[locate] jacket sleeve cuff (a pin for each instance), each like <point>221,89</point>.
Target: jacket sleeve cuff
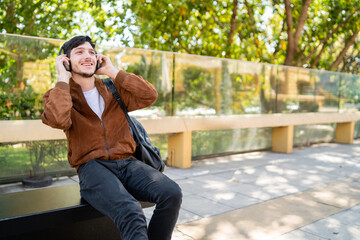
<point>120,77</point>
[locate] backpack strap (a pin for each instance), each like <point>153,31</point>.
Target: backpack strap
<point>111,86</point>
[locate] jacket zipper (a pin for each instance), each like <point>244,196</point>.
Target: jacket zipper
<point>107,147</point>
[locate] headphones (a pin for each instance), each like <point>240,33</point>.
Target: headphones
<point>68,66</point>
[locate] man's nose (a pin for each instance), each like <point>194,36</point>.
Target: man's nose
<point>87,55</point>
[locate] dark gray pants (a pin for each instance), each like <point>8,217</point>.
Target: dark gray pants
<point>113,188</point>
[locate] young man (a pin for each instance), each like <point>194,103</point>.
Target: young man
<point>100,144</point>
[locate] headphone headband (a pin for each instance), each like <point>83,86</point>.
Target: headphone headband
<point>61,49</point>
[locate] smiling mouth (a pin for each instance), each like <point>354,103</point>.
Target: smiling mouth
<point>87,64</point>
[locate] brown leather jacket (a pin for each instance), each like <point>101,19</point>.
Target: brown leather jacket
<point>88,136</point>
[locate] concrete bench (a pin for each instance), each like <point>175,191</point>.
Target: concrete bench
<point>53,213</point>
<point>179,144</point>
<point>179,130</point>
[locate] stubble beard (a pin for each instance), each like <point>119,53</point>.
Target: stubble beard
<point>85,75</point>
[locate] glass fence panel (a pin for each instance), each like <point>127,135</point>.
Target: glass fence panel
<point>203,85</point>
<point>226,141</point>
<point>286,91</point>
<point>209,86</point>
<point>327,89</point>
<point>156,67</point>
<point>296,90</point>
<point>27,71</point>
<point>34,158</point>
<point>160,141</point>
<point>245,87</point>
<point>306,90</point>
<point>350,92</point>
<point>357,129</point>
<point>268,97</point>
<point>197,85</point>
<point>304,135</point>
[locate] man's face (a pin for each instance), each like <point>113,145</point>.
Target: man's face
<point>83,60</point>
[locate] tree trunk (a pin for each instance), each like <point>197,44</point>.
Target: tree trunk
<point>293,38</point>
<point>232,29</point>
<point>302,20</point>
<point>290,52</point>
<point>10,19</point>
<point>348,44</point>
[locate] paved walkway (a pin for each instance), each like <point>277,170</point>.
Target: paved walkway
<point>313,193</point>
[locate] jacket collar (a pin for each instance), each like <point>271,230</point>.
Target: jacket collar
<point>78,98</point>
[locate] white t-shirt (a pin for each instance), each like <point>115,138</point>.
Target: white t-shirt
<point>95,101</point>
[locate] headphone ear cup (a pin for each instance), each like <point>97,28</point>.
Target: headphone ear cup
<point>97,65</point>
<point>67,66</point>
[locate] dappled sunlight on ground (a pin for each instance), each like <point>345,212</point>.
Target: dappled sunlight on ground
<point>261,194</point>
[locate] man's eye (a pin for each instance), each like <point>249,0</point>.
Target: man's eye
<point>92,53</point>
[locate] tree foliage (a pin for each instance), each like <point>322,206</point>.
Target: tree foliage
<point>51,19</point>
<point>307,33</point>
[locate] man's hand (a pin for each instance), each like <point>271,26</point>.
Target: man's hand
<point>106,67</point>
<point>64,75</point>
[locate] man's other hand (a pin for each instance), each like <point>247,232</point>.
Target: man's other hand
<point>106,67</point>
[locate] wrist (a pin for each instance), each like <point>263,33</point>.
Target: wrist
<point>63,79</point>
<point>112,73</point>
